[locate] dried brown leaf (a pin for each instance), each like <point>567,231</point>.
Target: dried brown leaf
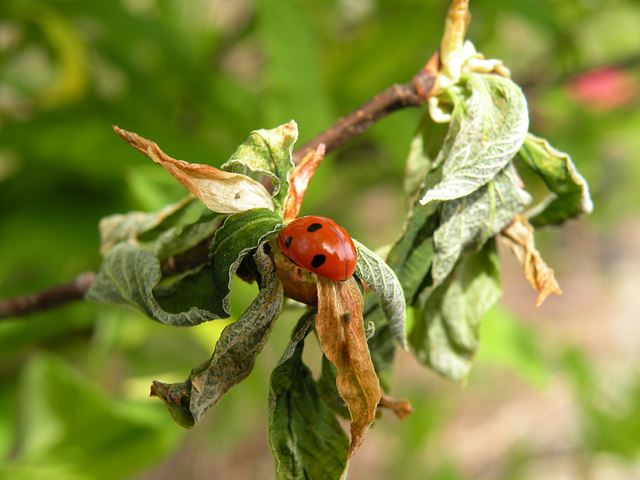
<point>222,192</point>
<point>301,175</point>
<point>401,407</point>
<point>519,237</point>
<point>340,329</point>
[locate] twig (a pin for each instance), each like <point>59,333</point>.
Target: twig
<point>47,299</point>
<point>411,94</point>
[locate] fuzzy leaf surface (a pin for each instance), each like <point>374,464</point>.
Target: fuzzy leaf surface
<point>166,232</point>
<point>240,343</point>
<point>569,190</point>
<point>486,131</point>
<point>267,152</point>
<point>128,276</point>
<point>234,355</point>
<point>305,436</point>
<point>445,333</point>
<point>469,221</point>
<point>238,236</point>
<point>378,276</point>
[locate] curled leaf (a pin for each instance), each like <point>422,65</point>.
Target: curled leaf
<point>519,237</point>
<point>300,178</point>
<point>487,129</point>
<point>303,430</point>
<point>298,283</point>
<point>569,190</point>
<point>469,221</point>
<point>233,357</point>
<point>378,276</point>
<point>400,407</point>
<point>452,43</point>
<point>129,275</point>
<point>341,334</point>
<point>222,192</point>
<point>267,152</point>
<point>445,334</point>
<point>240,234</point>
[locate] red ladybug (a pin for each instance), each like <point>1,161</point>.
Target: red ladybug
<point>321,246</point>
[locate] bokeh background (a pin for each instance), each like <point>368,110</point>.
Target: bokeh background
<point>555,390</point>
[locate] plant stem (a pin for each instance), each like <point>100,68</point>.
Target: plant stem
<point>411,94</point>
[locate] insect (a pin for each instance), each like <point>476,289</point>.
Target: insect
<point>321,246</point>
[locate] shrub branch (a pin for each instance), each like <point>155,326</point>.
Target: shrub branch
<point>411,94</point>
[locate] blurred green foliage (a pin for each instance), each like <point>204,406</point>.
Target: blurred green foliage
<point>197,77</point>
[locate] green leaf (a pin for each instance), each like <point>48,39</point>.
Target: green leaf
<point>240,234</point>
<point>469,221</point>
<point>234,354</point>
<point>128,276</point>
<point>306,439</point>
<point>240,343</point>
<point>378,276</point>
<point>166,232</point>
<point>445,332</point>
<point>192,288</point>
<point>486,131</point>
<point>267,152</point>
<point>570,193</point>
<point>412,254</point>
<point>423,151</point>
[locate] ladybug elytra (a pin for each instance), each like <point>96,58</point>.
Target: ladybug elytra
<point>321,246</point>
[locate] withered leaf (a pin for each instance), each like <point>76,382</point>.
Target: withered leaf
<point>399,406</point>
<point>222,192</point>
<point>341,334</point>
<point>519,237</point>
<point>301,175</point>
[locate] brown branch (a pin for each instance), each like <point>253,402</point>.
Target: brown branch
<point>411,94</point>
<point>47,299</point>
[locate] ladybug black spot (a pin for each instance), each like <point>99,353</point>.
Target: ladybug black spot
<point>318,260</point>
<point>287,242</point>
<point>313,227</point>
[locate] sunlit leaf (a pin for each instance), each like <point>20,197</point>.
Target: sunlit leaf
<point>267,152</point>
<point>471,220</point>
<point>378,276</point>
<point>570,193</point>
<point>445,332</point>
<point>340,329</point>
<point>519,237</point>
<point>221,191</point>
<point>166,232</point>
<point>487,129</point>
<point>305,437</point>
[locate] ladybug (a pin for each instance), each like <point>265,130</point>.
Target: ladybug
<point>321,246</point>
